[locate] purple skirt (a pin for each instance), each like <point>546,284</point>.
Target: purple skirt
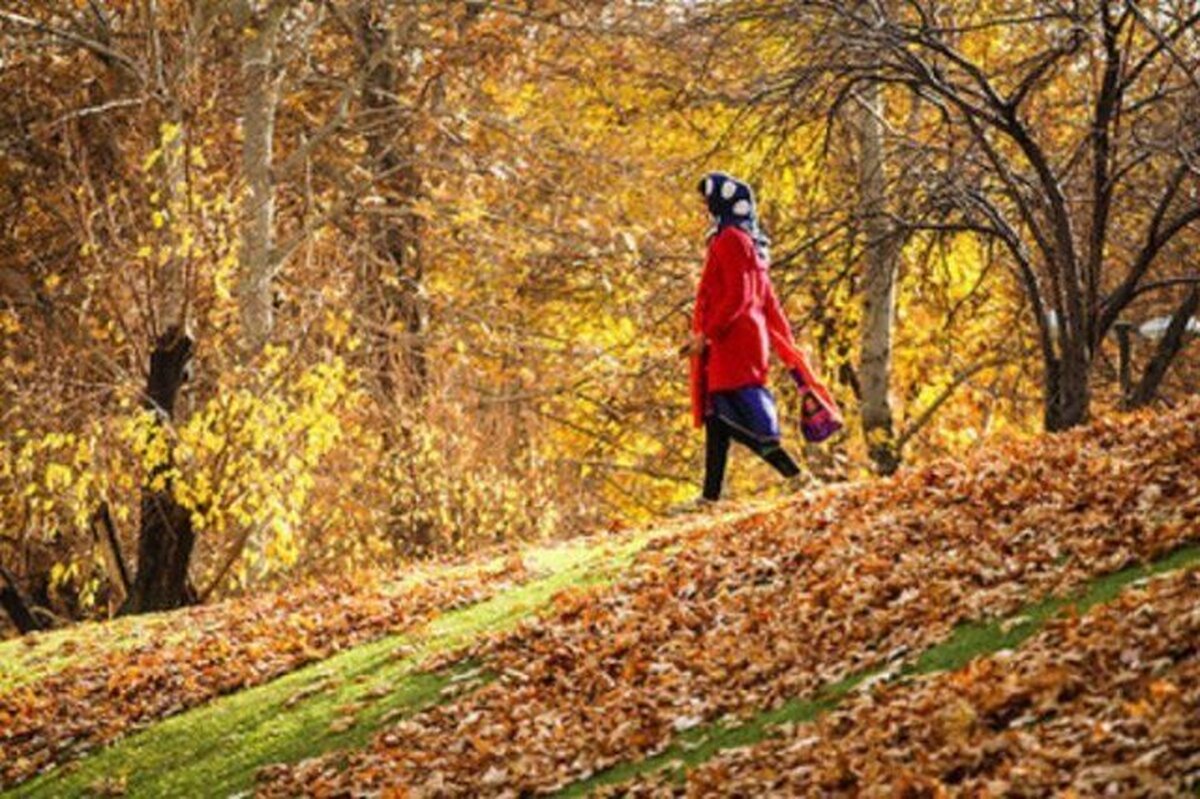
<point>750,410</point>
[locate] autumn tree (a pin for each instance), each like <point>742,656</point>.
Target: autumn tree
<point>1059,133</point>
<point>118,80</point>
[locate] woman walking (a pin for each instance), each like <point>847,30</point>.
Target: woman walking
<point>737,321</point>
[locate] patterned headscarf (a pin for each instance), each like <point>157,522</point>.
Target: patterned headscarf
<point>731,202</point>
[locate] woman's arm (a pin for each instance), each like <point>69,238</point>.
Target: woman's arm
<point>780,330</point>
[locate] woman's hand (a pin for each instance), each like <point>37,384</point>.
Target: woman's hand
<point>694,347</point>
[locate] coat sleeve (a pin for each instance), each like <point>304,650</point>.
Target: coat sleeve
<point>725,292</point>
<point>779,330</point>
<point>784,344</point>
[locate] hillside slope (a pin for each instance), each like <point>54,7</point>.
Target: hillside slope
<point>643,661</point>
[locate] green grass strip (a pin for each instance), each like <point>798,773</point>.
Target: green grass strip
<point>215,749</point>
<point>966,642</point>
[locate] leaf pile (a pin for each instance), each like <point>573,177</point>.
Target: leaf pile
<point>743,617</point>
<point>1103,705</point>
<point>209,651</point>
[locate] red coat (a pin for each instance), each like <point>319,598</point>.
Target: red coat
<point>739,315</point>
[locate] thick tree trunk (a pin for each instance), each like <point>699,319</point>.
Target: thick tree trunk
<point>258,226</point>
<point>166,538</point>
<point>1164,354</point>
<point>164,553</point>
<point>879,300</point>
<point>1067,395</point>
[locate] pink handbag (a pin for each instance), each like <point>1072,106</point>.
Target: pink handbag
<point>819,414</point>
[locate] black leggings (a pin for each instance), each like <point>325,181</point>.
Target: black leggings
<point>717,435</point>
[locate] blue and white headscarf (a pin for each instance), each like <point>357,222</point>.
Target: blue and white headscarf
<point>731,202</point>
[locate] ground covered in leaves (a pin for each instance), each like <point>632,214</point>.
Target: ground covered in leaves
<point>1107,704</point>
<point>735,620</point>
<point>88,690</point>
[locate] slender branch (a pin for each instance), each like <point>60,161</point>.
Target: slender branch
<point>913,427</point>
<point>1183,27</point>
<point>607,466</point>
<point>1014,191</point>
<point>1039,70</point>
<point>93,110</point>
<point>231,558</point>
<point>1164,284</point>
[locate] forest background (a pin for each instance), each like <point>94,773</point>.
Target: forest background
<point>292,287</point>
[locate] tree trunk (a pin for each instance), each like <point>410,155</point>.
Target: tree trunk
<point>104,534</point>
<point>1124,331</point>
<point>1067,395</point>
<point>173,278</point>
<point>258,217</point>
<point>1164,354</point>
<point>166,538</point>
<point>879,298</point>
<point>392,279</point>
<point>13,600</point>
<point>172,288</point>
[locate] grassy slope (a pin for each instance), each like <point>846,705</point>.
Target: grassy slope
<point>214,750</point>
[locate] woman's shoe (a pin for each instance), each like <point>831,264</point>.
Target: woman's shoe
<point>802,481</point>
<point>700,504</point>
